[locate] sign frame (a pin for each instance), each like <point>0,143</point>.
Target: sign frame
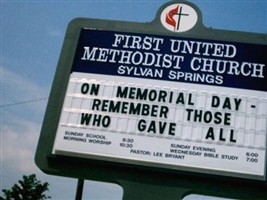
<point>124,173</point>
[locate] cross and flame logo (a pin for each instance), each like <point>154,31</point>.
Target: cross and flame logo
<point>175,12</point>
<point>178,17</point>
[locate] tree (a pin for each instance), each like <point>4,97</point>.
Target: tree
<point>27,189</point>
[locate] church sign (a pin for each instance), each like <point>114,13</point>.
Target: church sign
<point>170,94</point>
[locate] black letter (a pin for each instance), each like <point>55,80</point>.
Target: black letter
<point>122,93</point>
<point>142,125</point>
<point>86,118</point>
<point>210,134</point>
<point>215,102</point>
<point>85,88</point>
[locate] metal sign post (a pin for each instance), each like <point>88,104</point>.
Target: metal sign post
<point>79,190</point>
<point>167,107</point>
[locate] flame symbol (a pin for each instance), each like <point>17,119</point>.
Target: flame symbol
<point>170,17</point>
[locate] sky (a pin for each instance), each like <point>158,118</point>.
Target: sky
<point>32,33</point>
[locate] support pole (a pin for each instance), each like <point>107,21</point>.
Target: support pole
<point>79,190</point>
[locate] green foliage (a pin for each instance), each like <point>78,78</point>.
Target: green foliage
<point>27,189</point>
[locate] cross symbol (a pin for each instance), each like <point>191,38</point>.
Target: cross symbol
<point>180,14</point>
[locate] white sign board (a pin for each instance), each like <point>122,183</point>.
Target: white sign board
<point>167,102</point>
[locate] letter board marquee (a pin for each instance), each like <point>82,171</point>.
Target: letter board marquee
<point>162,95</point>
